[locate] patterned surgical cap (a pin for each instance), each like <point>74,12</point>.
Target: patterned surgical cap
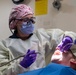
<point>17,13</point>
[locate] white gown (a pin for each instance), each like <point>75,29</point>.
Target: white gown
<point>41,41</point>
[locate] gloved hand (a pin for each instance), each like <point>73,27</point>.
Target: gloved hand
<point>65,44</point>
<point>29,58</point>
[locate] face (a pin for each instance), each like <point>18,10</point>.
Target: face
<point>26,19</point>
<point>62,57</point>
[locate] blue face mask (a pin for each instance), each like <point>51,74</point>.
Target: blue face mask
<point>27,28</point>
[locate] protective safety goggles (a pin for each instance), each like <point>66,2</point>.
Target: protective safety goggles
<point>32,19</point>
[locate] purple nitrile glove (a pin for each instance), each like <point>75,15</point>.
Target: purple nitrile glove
<point>29,58</point>
<point>65,44</point>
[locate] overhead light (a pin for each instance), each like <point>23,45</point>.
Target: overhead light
<point>17,1</point>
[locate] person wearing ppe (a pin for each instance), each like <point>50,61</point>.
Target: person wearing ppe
<point>63,60</point>
<point>25,49</point>
<point>65,52</point>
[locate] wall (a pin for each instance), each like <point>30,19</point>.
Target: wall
<point>63,19</point>
<point>5,7</point>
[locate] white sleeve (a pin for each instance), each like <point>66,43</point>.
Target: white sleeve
<point>71,34</point>
<point>48,39</point>
<point>12,68</point>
